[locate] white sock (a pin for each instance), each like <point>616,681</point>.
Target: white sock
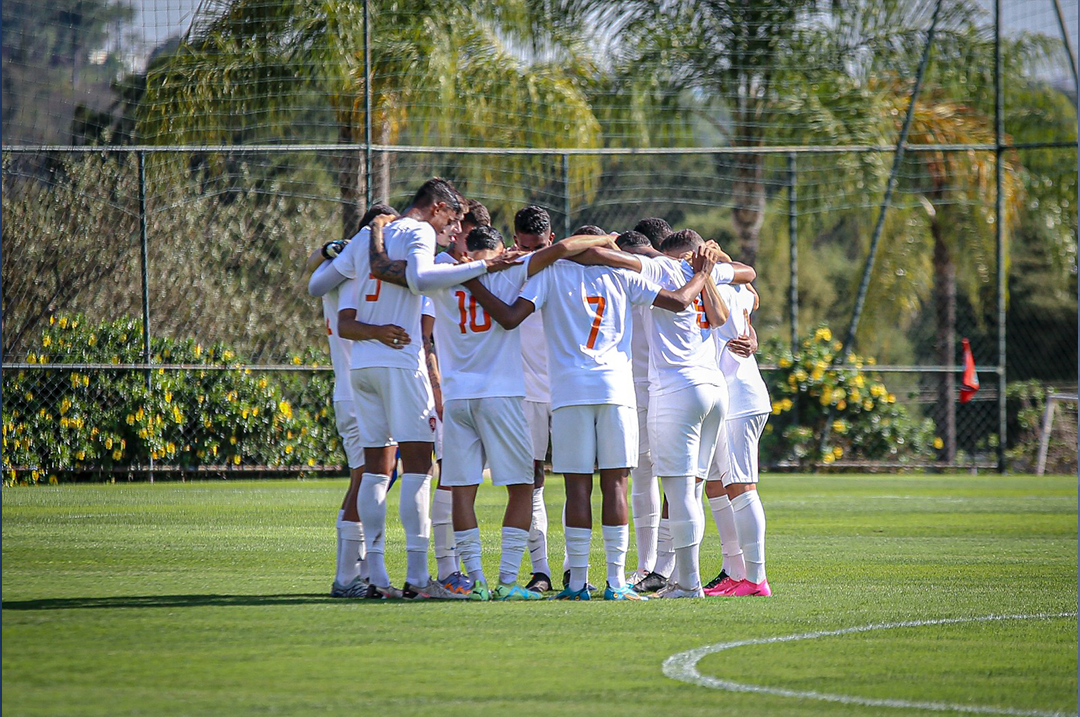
<point>350,543</point>
<point>514,542</point>
<point>687,525</point>
<point>371,505</point>
<point>665,556</point>
<point>616,541</point>
<point>565,553</point>
<point>724,517</point>
<point>645,502</point>
<point>577,551</point>
<point>413,510</point>
<point>442,529</point>
<point>750,522</point>
<point>538,549</point>
<point>468,547</point>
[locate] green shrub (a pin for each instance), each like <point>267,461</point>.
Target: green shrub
<point>1026,401</point>
<point>80,420</point>
<point>867,422</point>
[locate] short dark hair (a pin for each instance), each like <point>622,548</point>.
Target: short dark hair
<point>482,238</point>
<point>655,229</point>
<point>632,238</point>
<point>376,210</point>
<point>435,190</point>
<point>532,220</point>
<point>477,214</point>
<point>686,240</point>
<point>589,230</point>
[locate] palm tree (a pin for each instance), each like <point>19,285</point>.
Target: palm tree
<point>444,73</point>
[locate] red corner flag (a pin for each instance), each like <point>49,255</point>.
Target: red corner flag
<point>970,383</point>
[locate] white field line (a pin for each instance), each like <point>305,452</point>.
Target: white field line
<point>683,667</point>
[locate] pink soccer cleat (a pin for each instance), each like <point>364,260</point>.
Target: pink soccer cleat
<point>723,588</point>
<point>746,588</point>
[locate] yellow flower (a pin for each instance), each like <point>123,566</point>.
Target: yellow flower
<point>168,397</point>
<point>800,375</point>
<point>871,360</point>
<point>117,455</point>
<point>890,398</point>
<point>776,408</point>
<point>63,423</point>
<point>139,414</point>
<point>288,449</point>
<point>255,411</point>
<point>823,334</point>
<point>839,427</point>
<point>63,322</point>
<point>65,406</point>
<point>296,360</point>
<point>836,346</point>
<point>206,422</point>
<point>786,404</point>
<point>29,396</point>
<point>244,413</point>
<point>262,383</point>
<point>92,340</point>
<point>938,443</point>
<point>236,459</point>
<point>841,405</point>
<point>859,381</point>
<point>288,434</point>
<point>311,461</point>
<point>877,390</point>
<point>826,397</point>
<point>177,415</point>
<point>285,408</point>
<point>46,342</point>
<point>142,433</point>
<point>227,355</point>
<point>108,443</point>
<point>52,320</point>
<point>784,362</point>
<point>855,396</point>
<point>198,350</point>
<point>828,458</point>
<point>170,448</point>
<point>52,480</point>
<point>232,440</point>
<point>81,455</point>
<point>838,451</point>
<point>213,450</point>
<point>31,358</point>
<point>867,404</point>
<point>130,420</point>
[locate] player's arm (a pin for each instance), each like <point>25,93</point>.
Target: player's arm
<point>349,328</point>
<point>427,327</point>
<point>603,256</point>
<point>702,264</point>
<point>716,309</point>
<point>566,249</point>
<point>744,273</point>
<point>745,345</point>
<point>382,266</point>
<point>508,316</point>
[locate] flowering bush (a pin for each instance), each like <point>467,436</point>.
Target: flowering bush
<point>866,421</point>
<point>88,420</point>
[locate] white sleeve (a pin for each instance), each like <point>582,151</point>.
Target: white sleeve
<point>651,269</point>
<point>423,274</point>
<point>639,289</point>
<point>723,273</point>
<point>325,278</point>
<point>535,289</point>
<point>347,295</point>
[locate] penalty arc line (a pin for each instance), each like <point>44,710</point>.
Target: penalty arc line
<point>683,667</point>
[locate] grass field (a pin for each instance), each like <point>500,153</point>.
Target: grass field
<point>210,598</point>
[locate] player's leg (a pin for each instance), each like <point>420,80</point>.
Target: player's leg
<point>733,567</point>
<point>463,466</point>
<point>442,528</point>
<point>645,501</point>
<point>616,453</point>
<point>350,579</point>
<point>573,441</point>
<point>746,503</point>
<point>538,418</point>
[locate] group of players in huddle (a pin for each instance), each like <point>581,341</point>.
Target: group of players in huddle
<point>633,352</point>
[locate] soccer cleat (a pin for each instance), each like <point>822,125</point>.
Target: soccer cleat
<point>747,588</point>
<point>678,591</point>
<point>480,592</point>
<point>568,594</point>
<point>357,588</point>
<point>650,583</point>
<point>624,593</point>
<point>540,583</point>
<point>458,583</point>
<point>434,590</point>
<point>374,592</point>
<point>723,588</point>
<point>715,581</point>
<point>566,582</point>
<point>668,587</point>
<point>514,592</point>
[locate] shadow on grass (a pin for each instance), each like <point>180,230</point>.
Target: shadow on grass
<point>141,601</point>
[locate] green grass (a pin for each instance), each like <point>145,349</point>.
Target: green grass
<point>209,598</point>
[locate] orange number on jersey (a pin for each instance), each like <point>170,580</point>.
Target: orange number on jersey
<point>598,303</point>
<point>378,288</point>
<point>329,331</point>
<point>470,318</point>
<point>702,318</point>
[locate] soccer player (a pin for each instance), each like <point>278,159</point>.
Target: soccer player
<point>655,229</point>
<point>733,476</point>
<point>390,386</point>
<point>483,416</point>
<point>350,577</point>
<point>593,422</point>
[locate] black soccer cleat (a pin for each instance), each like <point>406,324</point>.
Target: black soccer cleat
<point>539,583</point>
<point>651,583</point>
<point>566,582</point>
<point>716,581</point>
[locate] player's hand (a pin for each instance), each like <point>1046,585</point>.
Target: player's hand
<point>721,255</point>
<point>393,336</point>
<point>703,261</point>
<point>504,261</point>
<point>332,248</point>
<point>745,346</point>
<point>382,220</point>
<point>757,297</point>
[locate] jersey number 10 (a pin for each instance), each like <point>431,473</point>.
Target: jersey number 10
<point>469,317</point>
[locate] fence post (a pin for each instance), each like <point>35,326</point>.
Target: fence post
<point>999,234</point>
<point>566,195</point>
<point>145,283</point>
<point>368,190</point>
<point>793,255</point>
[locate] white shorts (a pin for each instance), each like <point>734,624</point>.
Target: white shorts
<point>641,390</point>
<point>538,416</point>
<point>396,404</point>
<point>684,427</point>
<point>485,429</point>
<point>592,436</point>
<point>349,430</point>
<point>736,459</point>
<point>438,437</point>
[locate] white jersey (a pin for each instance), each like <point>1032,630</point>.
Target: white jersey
<point>639,344</point>
<point>682,350</point>
<point>588,330</point>
<point>534,358</point>
<point>747,393</point>
<point>478,358</point>
<point>445,257</point>
<point>378,302</point>
<point>340,349</point>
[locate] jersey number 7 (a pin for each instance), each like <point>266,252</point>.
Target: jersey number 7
<point>598,303</point>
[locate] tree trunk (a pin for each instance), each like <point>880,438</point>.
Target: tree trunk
<point>380,167</point>
<point>945,309</point>
<point>351,182</point>
<point>748,197</point>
